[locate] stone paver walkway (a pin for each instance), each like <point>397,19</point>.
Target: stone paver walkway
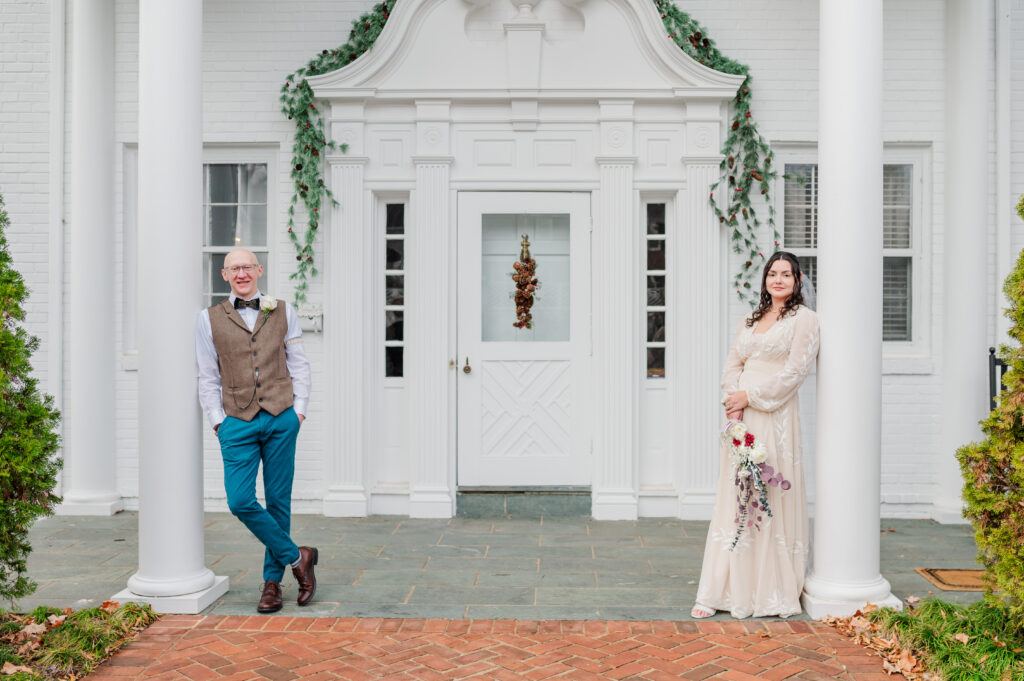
<point>458,568</point>
<point>213,648</point>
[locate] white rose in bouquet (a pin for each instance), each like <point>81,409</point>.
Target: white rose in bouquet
<point>758,453</point>
<point>735,458</point>
<point>737,430</point>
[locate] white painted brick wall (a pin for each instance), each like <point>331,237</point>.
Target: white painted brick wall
<point>24,154</point>
<point>1017,121</point>
<point>778,39</point>
<point>249,46</point>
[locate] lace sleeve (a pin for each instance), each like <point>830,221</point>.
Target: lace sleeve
<point>776,391</point>
<point>733,363</point>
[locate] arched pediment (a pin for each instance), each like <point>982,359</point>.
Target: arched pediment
<point>557,48</point>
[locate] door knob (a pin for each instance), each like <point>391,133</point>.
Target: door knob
<point>467,369</point>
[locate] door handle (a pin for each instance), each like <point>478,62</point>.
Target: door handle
<point>467,369</point>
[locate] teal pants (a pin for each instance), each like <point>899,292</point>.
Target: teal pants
<point>244,445</point>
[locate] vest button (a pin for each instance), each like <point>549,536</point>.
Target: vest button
<point>257,385</point>
<point>253,339</point>
<point>261,399</point>
<point>253,354</point>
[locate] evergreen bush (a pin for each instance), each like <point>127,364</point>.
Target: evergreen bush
<point>28,441</point>
<point>993,469</point>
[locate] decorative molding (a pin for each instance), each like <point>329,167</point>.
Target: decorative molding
<point>427,375</point>
<point>616,160</point>
<point>348,365</point>
<point>338,160</point>
<point>697,260</point>
<point>711,160</point>
<point>616,346</point>
<point>433,160</point>
<point>640,18</point>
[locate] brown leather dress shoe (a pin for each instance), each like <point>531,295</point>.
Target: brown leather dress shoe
<point>304,573</point>
<point>270,601</point>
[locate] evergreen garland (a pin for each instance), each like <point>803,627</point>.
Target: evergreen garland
<point>746,166</point>
<point>311,141</point>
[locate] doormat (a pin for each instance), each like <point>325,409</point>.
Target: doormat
<point>953,580</point>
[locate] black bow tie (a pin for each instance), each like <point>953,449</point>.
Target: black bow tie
<point>254,303</point>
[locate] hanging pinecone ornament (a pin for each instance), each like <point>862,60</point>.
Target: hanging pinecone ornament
<point>526,283</point>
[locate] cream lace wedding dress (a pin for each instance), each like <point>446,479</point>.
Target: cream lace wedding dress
<point>764,574</point>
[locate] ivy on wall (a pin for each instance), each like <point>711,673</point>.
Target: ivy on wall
<point>746,168</point>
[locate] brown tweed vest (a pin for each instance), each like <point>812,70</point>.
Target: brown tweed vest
<point>253,372</point>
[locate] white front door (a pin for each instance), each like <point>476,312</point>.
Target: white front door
<point>523,393</point>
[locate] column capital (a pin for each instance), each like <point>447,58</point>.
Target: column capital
<point>433,160</point>
<point>337,160</point>
<point>710,161</point>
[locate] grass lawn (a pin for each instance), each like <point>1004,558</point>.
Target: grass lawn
<point>933,639</point>
<point>48,643</point>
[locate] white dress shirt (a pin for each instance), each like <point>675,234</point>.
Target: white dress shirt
<point>210,396</point>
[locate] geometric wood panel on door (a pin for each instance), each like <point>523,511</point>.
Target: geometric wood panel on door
<point>525,407</point>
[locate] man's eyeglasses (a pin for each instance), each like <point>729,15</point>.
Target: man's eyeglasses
<point>235,269</point>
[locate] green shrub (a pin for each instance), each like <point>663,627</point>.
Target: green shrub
<point>993,469</point>
<point>960,643</point>
<point>28,443</point>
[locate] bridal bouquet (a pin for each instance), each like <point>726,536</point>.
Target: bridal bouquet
<point>753,476</point>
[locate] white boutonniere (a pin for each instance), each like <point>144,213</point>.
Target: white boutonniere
<point>267,305</point>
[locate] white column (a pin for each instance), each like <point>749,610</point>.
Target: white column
<point>90,474</point>
<point>172,575</point>
<point>616,322</point>
<point>428,323</point>
<point>965,325</point>
<point>845,572</point>
<point>345,334</point>
<point>699,337</point>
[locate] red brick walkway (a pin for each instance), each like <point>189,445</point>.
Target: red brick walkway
<point>282,648</point>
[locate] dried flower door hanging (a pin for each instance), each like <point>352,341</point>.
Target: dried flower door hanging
<point>526,284</point>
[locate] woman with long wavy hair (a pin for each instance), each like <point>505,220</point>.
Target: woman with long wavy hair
<point>762,572</point>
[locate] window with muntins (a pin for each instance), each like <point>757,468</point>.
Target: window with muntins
<point>234,216</point>
<point>655,275</point>
<point>800,235</point>
<point>394,289</point>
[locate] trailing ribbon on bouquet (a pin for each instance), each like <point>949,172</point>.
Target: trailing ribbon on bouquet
<point>752,474</point>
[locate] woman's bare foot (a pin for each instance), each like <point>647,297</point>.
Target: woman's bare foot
<point>700,612</point>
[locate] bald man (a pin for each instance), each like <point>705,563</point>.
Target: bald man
<point>254,382</point>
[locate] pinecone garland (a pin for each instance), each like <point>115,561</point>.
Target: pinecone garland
<point>526,284</point>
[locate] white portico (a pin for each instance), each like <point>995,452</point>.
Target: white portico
<point>467,127</point>
<point>488,128</point>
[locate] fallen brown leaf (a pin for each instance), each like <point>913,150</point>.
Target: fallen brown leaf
<point>963,638</point>
<point>33,629</point>
<point>895,659</point>
<point>11,668</point>
<point>764,633</point>
<point>913,599</point>
<point>110,606</point>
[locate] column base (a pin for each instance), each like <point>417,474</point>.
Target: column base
<point>185,604</point>
<point>431,504</point>
<point>346,503</point>
<point>697,505</point>
<point>615,506</point>
<point>105,505</point>
<point>823,597</point>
